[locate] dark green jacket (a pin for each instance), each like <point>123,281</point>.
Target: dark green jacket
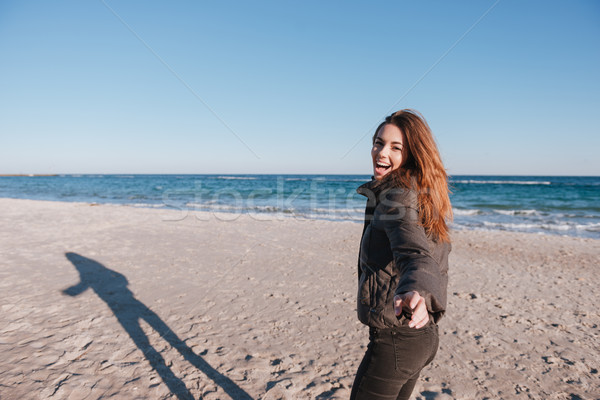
<point>396,256</point>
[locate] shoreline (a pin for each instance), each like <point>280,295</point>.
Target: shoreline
<point>204,215</point>
<point>550,205</point>
<point>94,297</point>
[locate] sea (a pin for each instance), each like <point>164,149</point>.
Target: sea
<point>555,205</point>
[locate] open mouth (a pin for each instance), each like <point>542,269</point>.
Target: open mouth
<point>382,168</point>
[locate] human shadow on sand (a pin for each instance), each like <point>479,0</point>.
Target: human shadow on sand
<point>111,287</point>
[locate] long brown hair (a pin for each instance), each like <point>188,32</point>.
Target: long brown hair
<point>423,167</point>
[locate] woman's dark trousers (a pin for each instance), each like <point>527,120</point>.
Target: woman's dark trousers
<point>393,361</point>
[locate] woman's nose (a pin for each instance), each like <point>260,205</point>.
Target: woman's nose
<point>383,152</point>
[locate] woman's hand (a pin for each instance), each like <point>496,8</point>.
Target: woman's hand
<point>414,303</point>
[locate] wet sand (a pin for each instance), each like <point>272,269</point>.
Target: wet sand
<point>130,303</point>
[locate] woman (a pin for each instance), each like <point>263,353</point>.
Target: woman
<point>403,259</point>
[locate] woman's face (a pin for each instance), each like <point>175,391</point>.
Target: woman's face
<point>389,150</point>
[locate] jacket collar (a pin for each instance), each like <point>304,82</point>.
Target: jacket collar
<point>366,188</point>
<point>373,190</point>
<point>374,187</point>
<point>377,191</point>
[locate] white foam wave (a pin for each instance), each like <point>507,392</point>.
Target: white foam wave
<point>527,227</point>
<point>241,178</point>
<point>334,214</point>
<point>479,182</point>
<point>467,212</point>
<point>232,208</point>
<point>588,227</point>
<point>338,210</point>
<point>145,205</point>
<point>510,226</point>
<point>517,212</point>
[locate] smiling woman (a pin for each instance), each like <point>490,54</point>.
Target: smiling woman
<point>388,150</point>
<point>414,149</point>
<point>403,259</point>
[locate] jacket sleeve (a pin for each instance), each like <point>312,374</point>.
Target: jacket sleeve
<point>418,269</point>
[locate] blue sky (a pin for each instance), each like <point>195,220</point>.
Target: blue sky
<point>508,87</point>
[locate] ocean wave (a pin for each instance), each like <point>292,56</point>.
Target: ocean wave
<point>364,180</point>
<point>337,210</point>
<point>334,214</point>
<point>145,205</point>
<point>588,227</point>
<point>467,212</point>
<point>242,178</point>
<point>479,182</point>
<point>327,217</point>
<point>510,225</point>
<point>517,212</point>
<point>239,209</point>
<point>544,226</point>
<point>333,179</point>
<point>578,215</point>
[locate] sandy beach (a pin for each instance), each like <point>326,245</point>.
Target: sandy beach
<point>101,301</point>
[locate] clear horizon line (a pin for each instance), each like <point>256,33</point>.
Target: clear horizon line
<point>268,174</point>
